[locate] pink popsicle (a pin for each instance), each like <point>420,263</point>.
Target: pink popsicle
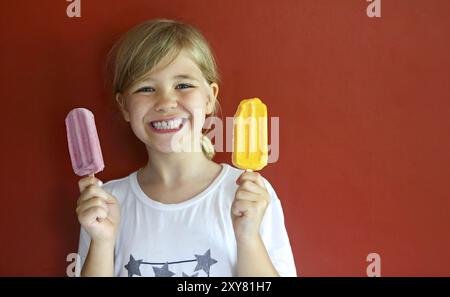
<point>84,145</point>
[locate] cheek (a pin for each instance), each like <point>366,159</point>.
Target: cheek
<point>195,105</point>
<point>197,112</point>
<point>138,106</point>
<point>195,100</point>
<point>135,112</point>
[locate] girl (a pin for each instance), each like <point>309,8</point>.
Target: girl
<point>182,214</point>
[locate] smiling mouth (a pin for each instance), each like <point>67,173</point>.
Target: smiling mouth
<point>168,126</point>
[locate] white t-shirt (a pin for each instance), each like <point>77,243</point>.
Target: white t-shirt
<point>191,238</point>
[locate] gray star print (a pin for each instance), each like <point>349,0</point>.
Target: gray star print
<point>163,271</point>
<point>133,267</point>
<point>205,262</point>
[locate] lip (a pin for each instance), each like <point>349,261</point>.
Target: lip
<point>183,122</point>
<point>169,118</point>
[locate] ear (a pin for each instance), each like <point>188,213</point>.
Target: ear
<point>212,97</point>
<point>120,98</point>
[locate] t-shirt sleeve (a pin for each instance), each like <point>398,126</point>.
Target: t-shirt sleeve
<point>275,237</point>
<point>83,248</point>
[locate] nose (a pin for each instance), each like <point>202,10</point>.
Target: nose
<point>165,104</point>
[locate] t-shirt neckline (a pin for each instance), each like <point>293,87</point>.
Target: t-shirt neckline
<point>176,206</point>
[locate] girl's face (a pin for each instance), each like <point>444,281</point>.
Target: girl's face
<point>167,109</point>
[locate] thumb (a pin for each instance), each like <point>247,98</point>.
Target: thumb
<point>87,181</point>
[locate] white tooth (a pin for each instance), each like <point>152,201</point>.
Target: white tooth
<point>172,124</point>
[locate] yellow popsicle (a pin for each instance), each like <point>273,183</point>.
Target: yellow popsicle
<point>250,149</point>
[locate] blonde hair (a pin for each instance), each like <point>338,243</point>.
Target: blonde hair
<point>145,45</point>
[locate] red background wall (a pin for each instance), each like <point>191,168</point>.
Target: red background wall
<point>363,106</point>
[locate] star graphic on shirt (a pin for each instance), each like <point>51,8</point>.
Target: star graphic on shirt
<point>163,271</point>
<point>194,275</point>
<point>205,262</point>
<point>133,266</point>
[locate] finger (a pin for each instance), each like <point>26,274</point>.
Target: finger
<point>253,197</point>
<point>87,181</point>
<point>251,176</point>
<point>95,191</point>
<point>252,187</point>
<point>242,208</point>
<point>92,214</point>
<point>93,202</point>
<point>248,196</point>
<point>89,192</point>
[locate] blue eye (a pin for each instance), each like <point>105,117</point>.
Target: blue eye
<point>183,86</point>
<point>145,90</point>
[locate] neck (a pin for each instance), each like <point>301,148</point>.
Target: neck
<point>171,169</point>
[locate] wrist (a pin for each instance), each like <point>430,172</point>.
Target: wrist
<point>248,241</point>
<point>103,244</point>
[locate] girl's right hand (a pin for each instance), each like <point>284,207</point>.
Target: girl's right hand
<point>98,211</point>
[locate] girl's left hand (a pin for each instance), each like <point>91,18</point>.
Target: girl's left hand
<point>249,205</point>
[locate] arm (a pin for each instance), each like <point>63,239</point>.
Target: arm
<point>99,260</point>
<point>253,259</point>
<point>99,215</point>
<point>248,208</point>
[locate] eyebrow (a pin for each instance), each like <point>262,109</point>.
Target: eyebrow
<point>186,76</point>
<point>183,76</point>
